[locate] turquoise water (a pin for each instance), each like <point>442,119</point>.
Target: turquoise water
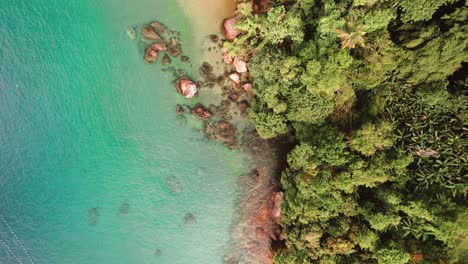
<point>90,144</point>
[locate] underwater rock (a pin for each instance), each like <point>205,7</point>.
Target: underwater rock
<point>184,59</point>
<point>151,55</point>
<point>173,184</point>
<point>166,59</point>
<point>222,131</point>
<point>201,171</point>
<point>200,112</point>
<point>186,87</point>
<point>149,33</point>
<point>157,253</point>
<point>230,32</point>
<point>159,27</point>
<point>180,109</point>
<point>240,65</point>
<point>131,33</point>
<point>93,216</point>
<point>206,69</point>
<point>214,38</point>
<point>189,219</point>
<point>124,208</point>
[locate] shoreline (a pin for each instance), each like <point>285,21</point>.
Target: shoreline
<point>255,231</point>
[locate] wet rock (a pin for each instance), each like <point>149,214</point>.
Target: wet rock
<point>124,208</point>
<point>166,59</point>
<point>159,46</point>
<point>214,38</point>
<point>227,58</point>
<point>175,51</point>
<point>149,33</point>
<point>159,27</point>
<point>222,131</point>
<point>173,185</point>
<point>180,110</point>
<point>151,55</point>
<point>240,65</point>
<point>230,32</point>
<point>174,47</point>
<point>243,106</point>
<point>93,216</point>
<point>247,87</point>
<point>189,219</point>
<point>200,112</point>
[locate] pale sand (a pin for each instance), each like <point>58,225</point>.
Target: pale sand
<point>206,18</point>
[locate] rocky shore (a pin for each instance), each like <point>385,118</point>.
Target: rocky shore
<point>227,121</point>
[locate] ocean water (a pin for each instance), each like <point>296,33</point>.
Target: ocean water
<point>94,165</point>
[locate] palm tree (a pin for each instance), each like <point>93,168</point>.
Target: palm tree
<point>352,37</point>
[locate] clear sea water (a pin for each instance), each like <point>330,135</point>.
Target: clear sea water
<point>89,141</point>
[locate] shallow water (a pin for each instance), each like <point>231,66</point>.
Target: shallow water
<point>94,167</point>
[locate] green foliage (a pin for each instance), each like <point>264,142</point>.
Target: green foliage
<point>371,138</point>
<point>381,150</point>
<point>420,10</point>
<point>392,256</point>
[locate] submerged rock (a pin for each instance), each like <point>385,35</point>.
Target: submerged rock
<point>173,184</point>
<point>166,59</point>
<point>206,69</point>
<point>230,32</point>
<point>151,55</point>
<point>124,208</point>
<point>93,216</point>
<point>201,112</point>
<point>186,87</point>
<point>157,253</point>
<point>222,131</point>
<point>149,33</point>
<point>214,38</point>
<point>180,110</point>
<point>189,219</point>
<point>131,33</point>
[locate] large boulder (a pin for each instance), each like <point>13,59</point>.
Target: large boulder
<point>201,112</point>
<point>159,28</point>
<point>230,31</point>
<point>186,87</point>
<point>149,33</point>
<point>151,55</point>
<point>240,65</point>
